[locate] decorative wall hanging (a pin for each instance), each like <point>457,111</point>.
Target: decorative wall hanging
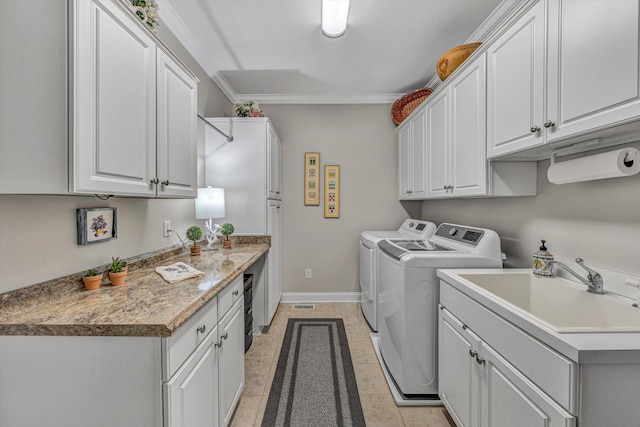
<point>332,191</point>
<point>96,225</point>
<point>311,179</point>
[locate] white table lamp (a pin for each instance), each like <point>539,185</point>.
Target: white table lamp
<point>209,205</point>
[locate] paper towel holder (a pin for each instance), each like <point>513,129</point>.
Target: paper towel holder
<point>566,150</point>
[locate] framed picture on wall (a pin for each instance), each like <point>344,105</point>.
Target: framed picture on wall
<point>311,179</point>
<point>332,191</point>
<point>96,225</point>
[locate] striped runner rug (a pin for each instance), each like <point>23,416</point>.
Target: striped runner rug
<point>314,383</point>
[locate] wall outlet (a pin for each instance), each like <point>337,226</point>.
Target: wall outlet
<point>166,226</point>
<point>307,273</point>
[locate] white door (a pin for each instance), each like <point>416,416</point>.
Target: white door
<point>192,393</point>
<point>274,258</point>
<point>177,127</point>
<point>113,102</point>
<point>458,371</point>
<point>467,146</point>
<point>273,165</point>
<point>437,143</point>
<point>231,336</point>
<point>515,72</point>
<point>404,160</point>
<point>596,41</point>
<point>418,148</point>
<point>510,399</point>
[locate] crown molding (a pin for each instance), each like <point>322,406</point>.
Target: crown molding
<point>226,88</point>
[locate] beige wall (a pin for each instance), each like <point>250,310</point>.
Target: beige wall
<point>595,220</point>
<point>362,140</point>
<point>38,233</point>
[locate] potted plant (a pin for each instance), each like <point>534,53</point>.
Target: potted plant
<point>92,280</point>
<point>194,233</point>
<point>118,271</point>
<point>226,230</point>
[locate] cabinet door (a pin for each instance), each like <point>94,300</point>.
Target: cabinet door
<point>273,165</point>
<point>177,127</point>
<point>510,399</point>
<point>231,333</point>
<point>437,142</point>
<point>515,72</point>
<point>404,164</point>
<point>274,259</point>
<point>418,152</point>
<point>467,146</point>
<point>113,102</point>
<point>191,395</point>
<point>458,371</point>
<point>594,60</point>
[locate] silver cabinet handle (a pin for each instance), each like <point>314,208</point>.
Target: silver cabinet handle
<point>534,129</point>
<point>480,360</point>
<point>155,181</point>
<point>549,124</point>
<point>235,292</point>
<point>446,187</point>
<point>224,336</point>
<point>202,328</point>
<point>473,353</point>
<point>165,182</point>
<point>218,344</point>
<point>409,191</point>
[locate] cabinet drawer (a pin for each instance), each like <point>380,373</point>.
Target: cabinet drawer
<point>552,372</point>
<point>228,296</point>
<point>185,340</point>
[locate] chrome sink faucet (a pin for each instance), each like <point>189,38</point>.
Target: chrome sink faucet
<point>593,281</point>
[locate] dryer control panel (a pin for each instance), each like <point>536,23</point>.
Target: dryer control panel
<point>458,233</point>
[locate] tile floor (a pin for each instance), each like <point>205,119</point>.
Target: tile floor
<point>377,403</point>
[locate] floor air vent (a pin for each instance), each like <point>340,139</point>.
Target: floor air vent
<point>304,306</point>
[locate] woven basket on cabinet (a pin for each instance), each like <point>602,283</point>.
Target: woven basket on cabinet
<point>405,105</point>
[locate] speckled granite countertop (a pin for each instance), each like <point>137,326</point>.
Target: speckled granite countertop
<point>145,306</point>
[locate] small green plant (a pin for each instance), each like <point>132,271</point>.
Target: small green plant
<point>194,233</point>
<point>91,273</point>
<point>226,230</point>
<point>116,265</point>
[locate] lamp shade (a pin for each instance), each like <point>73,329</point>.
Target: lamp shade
<point>210,203</point>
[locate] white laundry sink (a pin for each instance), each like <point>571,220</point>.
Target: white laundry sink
<point>563,305</point>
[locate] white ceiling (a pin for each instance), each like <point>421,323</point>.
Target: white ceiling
<point>274,50</point>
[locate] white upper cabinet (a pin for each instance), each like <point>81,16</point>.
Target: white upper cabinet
<point>456,160</point>
<point>177,130</point>
<point>564,72</point>
<point>594,74</point>
<point>113,107</point>
<point>114,113</point>
<point>275,153</point>
<point>411,148</point>
<point>515,86</point>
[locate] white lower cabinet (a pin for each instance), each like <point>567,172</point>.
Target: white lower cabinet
<point>206,388</point>
<point>274,259</point>
<point>479,387</point>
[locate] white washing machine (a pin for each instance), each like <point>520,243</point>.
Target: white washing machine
<point>410,229</point>
<point>409,297</point>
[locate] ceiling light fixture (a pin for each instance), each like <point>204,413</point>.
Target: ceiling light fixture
<point>334,17</point>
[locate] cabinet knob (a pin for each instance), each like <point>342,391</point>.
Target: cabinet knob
<point>165,182</point>
<point>235,292</point>
<point>480,360</point>
<point>202,328</point>
<point>224,336</point>
<point>409,191</point>
<point>549,124</point>
<point>473,353</point>
<point>535,129</point>
<point>155,181</point>
<point>218,344</point>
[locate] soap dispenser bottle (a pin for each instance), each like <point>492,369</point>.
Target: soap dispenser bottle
<point>542,262</point>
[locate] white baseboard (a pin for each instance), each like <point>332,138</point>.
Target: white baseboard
<point>311,297</point>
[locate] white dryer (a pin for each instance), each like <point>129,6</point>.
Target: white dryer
<point>409,297</point>
<point>410,229</point>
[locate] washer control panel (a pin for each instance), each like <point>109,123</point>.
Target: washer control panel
<point>470,236</point>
